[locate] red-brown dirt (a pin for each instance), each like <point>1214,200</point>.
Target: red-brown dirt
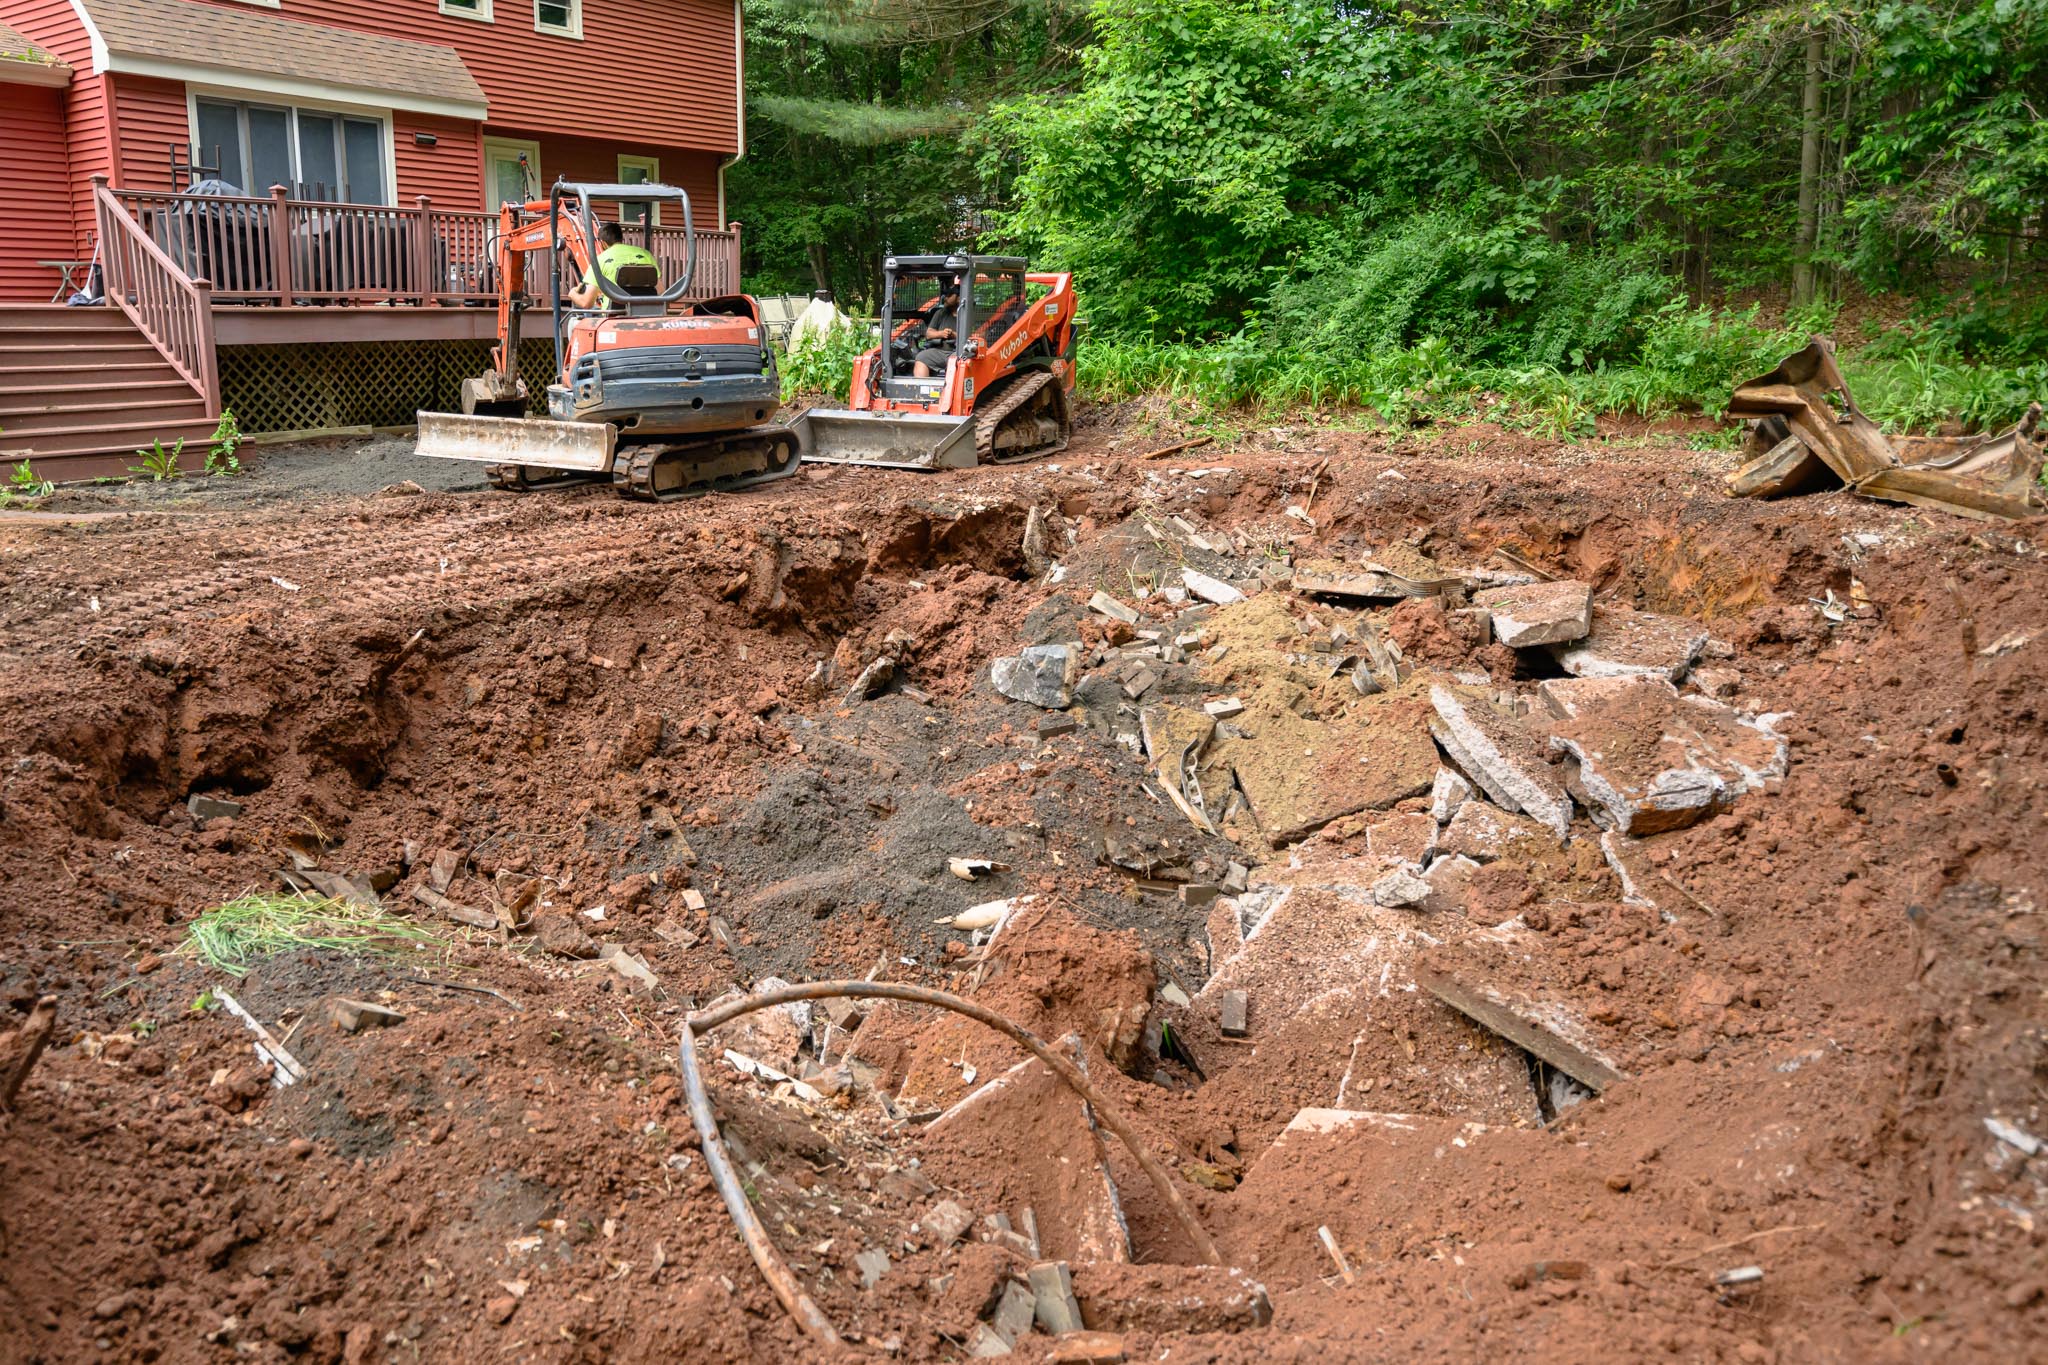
<point>1844,983</point>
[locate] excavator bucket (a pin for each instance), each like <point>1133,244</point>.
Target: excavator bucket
<point>534,443</point>
<point>889,440</point>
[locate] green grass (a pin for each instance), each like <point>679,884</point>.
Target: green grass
<point>252,927</point>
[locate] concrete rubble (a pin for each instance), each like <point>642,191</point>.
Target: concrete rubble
<point>1043,675</point>
<point>1503,756</point>
<point>1624,641</point>
<point>1531,614</point>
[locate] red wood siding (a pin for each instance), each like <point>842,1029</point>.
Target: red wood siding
<point>451,172</point>
<point>35,213</point>
<point>149,119</point>
<point>571,158</point>
<point>54,25</point>
<point>665,69</point>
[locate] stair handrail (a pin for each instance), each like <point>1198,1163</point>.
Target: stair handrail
<point>172,310</point>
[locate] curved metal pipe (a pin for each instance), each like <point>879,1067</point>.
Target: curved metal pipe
<point>777,1273</point>
<point>774,1269</point>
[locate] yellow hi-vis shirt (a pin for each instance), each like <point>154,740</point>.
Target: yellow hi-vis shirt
<point>609,260</point>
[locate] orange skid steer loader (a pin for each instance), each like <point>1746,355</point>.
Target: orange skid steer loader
<point>661,399</point>
<point>976,364</point>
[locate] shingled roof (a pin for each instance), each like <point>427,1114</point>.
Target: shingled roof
<point>168,37</point>
<point>21,60</point>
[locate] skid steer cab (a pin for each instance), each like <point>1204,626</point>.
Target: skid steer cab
<point>662,398</point>
<point>975,364</point>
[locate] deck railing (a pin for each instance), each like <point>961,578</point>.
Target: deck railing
<point>278,250</point>
<point>171,305</point>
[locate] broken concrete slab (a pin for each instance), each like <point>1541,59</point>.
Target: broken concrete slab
<point>1409,837</point>
<point>1088,1348</point>
<point>1446,794</point>
<point>1298,774</point>
<point>1210,589</point>
<point>946,1222</point>
<point>1527,1024</point>
<point>1484,833</point>
<point>1224,709</point>
<point>1325,578</point>
<point>1448,879</point>
<point>1043,675</point>
<point>1231,1009</point>
<point>985,1343</point>
<point>1503,756</point>
<point>1015,1312</point>
<point>1565,698</point>
<point>1052,1287</point>
<point>1533,614</point>
<point>1106,605</point>
<point>1625,641</point>
<point>1651,760</point>
<point>1066,1177</point>
<point>1170,1298</point>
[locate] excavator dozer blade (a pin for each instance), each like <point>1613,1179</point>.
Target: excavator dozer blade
<point>534,443</point>
<point>888,440</point>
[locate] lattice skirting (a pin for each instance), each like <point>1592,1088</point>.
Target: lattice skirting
<point>382,384</point>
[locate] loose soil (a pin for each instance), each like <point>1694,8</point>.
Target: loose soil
<point>635,711</point>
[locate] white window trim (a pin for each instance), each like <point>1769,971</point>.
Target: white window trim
<point>575,28</point>
<point>651,165</point>
<point>482,13</point>
<point>195,93</point>
<point>515,146</point>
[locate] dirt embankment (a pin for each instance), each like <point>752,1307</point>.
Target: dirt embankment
<point>1834,984</point>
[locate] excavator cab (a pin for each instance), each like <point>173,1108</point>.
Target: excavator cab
<point>661,397</point>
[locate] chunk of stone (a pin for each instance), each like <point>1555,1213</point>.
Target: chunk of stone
<point>1722,683</point>
<point>1224,709</point>
<point>1052,1287</point>
<point>1503,757</point>
<point>1052,727</point>
<point>1625,641</point>
<point>1231,1010</point>
<point>1400,889</point>
<point>1088,1348</point>
<point>985,1343</point>
<point>947,1222</point>
<point>1447,794</point>
<point>560,935</point>
<point>204,808</point>
<point>873,1264</point>
<point>1015,1312</point>
<point>1448,879</point>
<point>1532,614</point>
<point>1043,675</point>
<point>1298,774</point>
<point>1651,760</point>
<point>1181,1299</point>
<point>1566,698</point>
<point>353,1016</point>
<point>1108,606</point>
<point>1210,589</point>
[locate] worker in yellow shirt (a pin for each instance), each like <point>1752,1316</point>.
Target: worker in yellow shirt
<point>614,251</point>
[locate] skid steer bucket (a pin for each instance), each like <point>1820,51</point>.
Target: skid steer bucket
<point>889,440</point>
<point>536,443</point>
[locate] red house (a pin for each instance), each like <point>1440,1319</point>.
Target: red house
<point>369,141</point>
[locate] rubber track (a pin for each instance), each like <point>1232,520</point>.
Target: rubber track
<point>988,422</point>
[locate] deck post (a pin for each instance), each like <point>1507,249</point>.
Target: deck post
<point>423,249</point>
<point>732,286</point>
<point>281,245</point>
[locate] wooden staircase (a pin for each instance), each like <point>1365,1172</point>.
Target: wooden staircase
<point>82,389</point>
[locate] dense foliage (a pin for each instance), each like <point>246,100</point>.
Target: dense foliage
<point>1495,186</point>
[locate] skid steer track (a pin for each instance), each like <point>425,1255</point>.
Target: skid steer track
<point>723,464</point>
<point>1016,405</point>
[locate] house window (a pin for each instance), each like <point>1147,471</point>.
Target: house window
<point>564,17</point>
<point>315,153</point>
<point>468,9</point>
<point>639,170</point>
<point>511,172</point>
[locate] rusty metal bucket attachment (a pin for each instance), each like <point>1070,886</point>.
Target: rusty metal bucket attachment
<point>887,440</point>
<point>536,443</point>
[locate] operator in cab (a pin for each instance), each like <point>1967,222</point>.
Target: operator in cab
<point>941,334</point>
<point>614,251</point>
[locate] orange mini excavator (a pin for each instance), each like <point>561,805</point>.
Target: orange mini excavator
<point>976,364</point>
<point>663,399</point>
